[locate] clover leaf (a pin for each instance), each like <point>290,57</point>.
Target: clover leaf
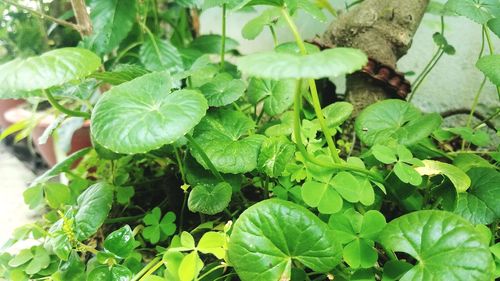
<point>158,228</point>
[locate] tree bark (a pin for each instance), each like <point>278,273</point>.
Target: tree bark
<point>383,29</point>
<point>82,17</point>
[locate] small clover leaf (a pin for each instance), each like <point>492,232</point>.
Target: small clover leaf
<point>156,229</point>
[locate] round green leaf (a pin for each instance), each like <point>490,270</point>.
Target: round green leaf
<point>223,90</point>
<point>446,246</point>
<point>328,63</point>
<point>274,155</point>
<point>159,55</point>
<point>120,242</point>
<point>210,199</point>
<point>142,115</point>
<point>494,25</point>
<point>93,207</point>
<point>271,234</point>
<point>481,204</point>
<point>336,113</point>
<point>489,65</point>
<point>407,174</point>
<point>396,119</point>
<point>221,135</point>
<point>360,253</point>
<point>277,95</point>
<point>322,196</point>
<point>347,186</point>
<point>479,11</point>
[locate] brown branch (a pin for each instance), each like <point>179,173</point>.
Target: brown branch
<point>82,17</point>
<point>43,16</point>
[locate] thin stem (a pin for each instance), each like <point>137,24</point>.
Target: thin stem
<point>475,102</point>
<point>432,63</point>
<point>223,39</point>
<point>183,208</point>
<point>179,163</point>
<point>152,263</point>
<point>152,270</point>
<point>488,119</point>
<point>44,16</point>
<point>123,219</point>
<point>82,17</point>
<point>64,110</point>
<point>210,271</point>
<point>203,155</point>
<point>492,51</point>
<point>314,92</point>
<point>273,33</point>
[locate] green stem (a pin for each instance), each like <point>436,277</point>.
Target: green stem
<point>64,110</point>
<point>492,51</point>
<point>314,92</point>
<point>179,163</point>
<point>273,33</point>
<point>183,208</point>
<point>123,219</point>
<point>203,155</point>
<point>153,263</point>
<point>475,102</point>
<point>488,119</point>
<point>210,271</point>
<point>428,68</point>
<point>223,39</point>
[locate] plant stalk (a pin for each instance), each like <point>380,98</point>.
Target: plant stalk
<point>223,39</point>
<point>64,110</point>
<point>203,155</point>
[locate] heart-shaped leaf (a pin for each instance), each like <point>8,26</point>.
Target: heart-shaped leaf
<point>50,69</point>
<point>494,25</point>
<point>328,63</point>
<point>446,246</point>
<point>277,95</point>
<point>481,204</point>
<point>479,11</point>
<point>271,234</point>
<point>255,26</point>
<point>210,199</point>
<point>322,196</point>
<point>110,273</point>
<point>489,66</point>
<point>120,242</point>
<point>395,119</point>
<point>336,113</point>
<point>223,90</point>
<point>221,135</point>
<point>93,207</point>
<point>142,115</point>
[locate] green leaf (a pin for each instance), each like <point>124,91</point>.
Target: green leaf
<point>458,177</point>
<point>347,186</point>
<point>277,95</point>
<point>394,270</point>
<point>63,166</point>
<point>173,259</point>
<point>112,20</point>
<point>384,154</point>
<point>396,119</point>
<point>142,115</point>
<point>489,66</point>
<point>494,25</point>
<point>481,204</point>
<point>190,266</point>
<point>107,273</point>
<point>210,199</point>
<point>159,55</point>
<point>446,246</point>
<point>274,155</point>
<point>271,234</point>
<point>40,260</point>
<point>52,68</point>
<point>479,11</point>
<point>156,229</point>
<point>328,63</point>
<point>93,207</point>
<point>33,196</point>
<point>223,90</point>
<point>120,74</point>
<point>120,242</point>
<point>57,194</point>
<point>73,269</point>
<point>336,113</point>
<point>213,243</point>
<point>221,135</point>
<point>373,223</point>
<point>124,194</point>
<point>212,44</point>
<point>21,258</point>
<point>254,27</point>
<point>407,174</point>
<point>360,253</point>
<point>322,196</point>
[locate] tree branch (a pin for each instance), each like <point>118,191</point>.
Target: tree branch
<point>43,16</point>
<point>82,17</point>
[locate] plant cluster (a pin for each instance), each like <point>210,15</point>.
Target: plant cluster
<point>202,169</point>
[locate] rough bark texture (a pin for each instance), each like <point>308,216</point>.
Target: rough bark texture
<point>383,29</point>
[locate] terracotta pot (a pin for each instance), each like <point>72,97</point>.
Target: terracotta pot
<point>80,139</point>
<point>5,105</point>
